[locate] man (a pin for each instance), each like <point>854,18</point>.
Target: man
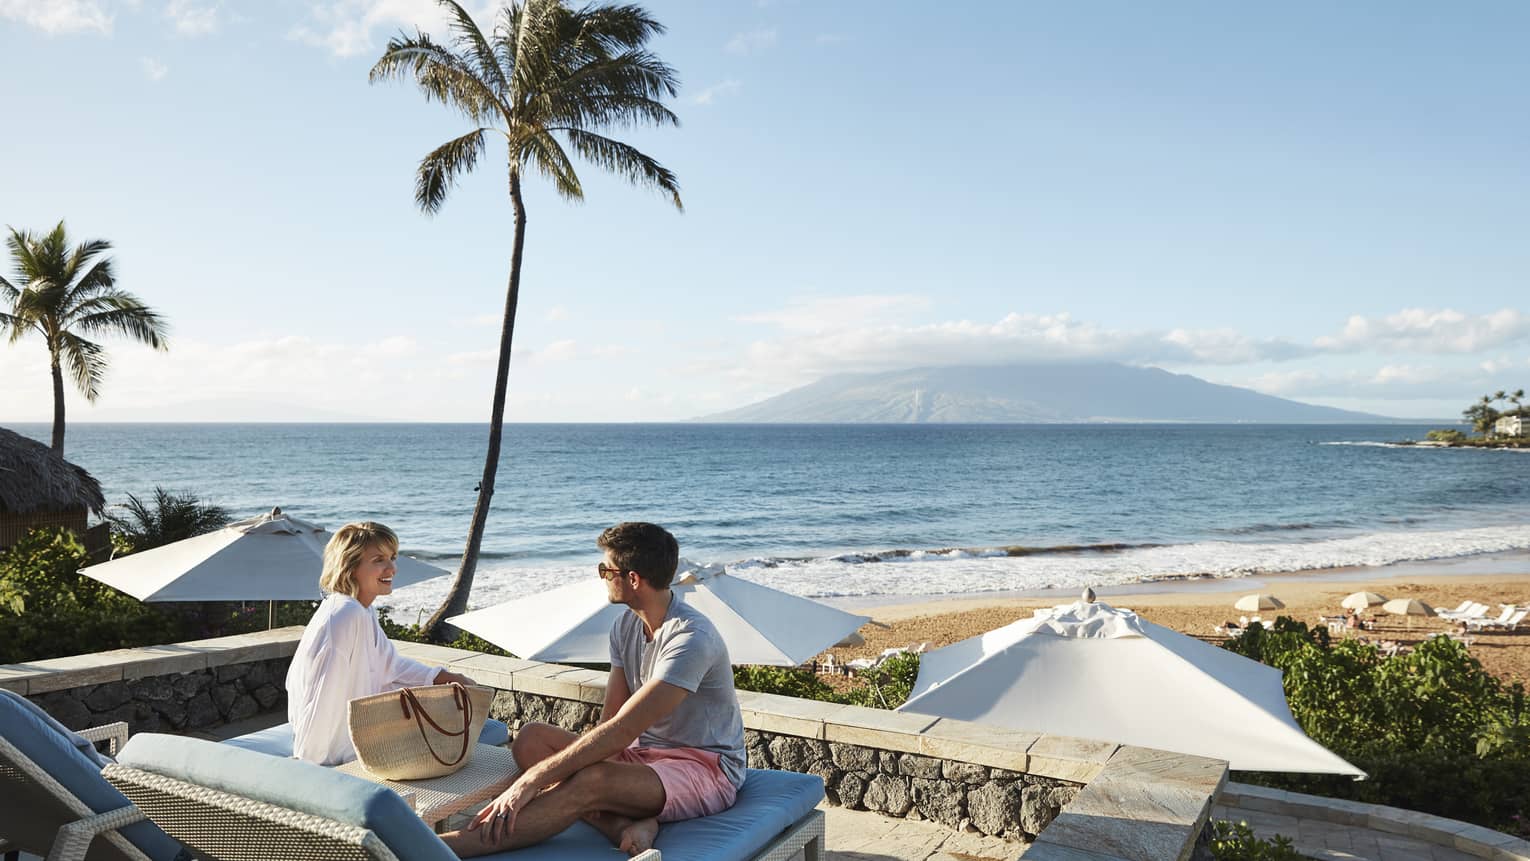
<point>670,742</point>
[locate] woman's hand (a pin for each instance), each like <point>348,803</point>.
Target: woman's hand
<point>446,677</point>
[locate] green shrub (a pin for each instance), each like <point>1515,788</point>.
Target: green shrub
<point>781,680</point>
<point>1231,842</point>
<point>887,685</point>
<point>48,610</point>
<point>1450,435</point>
<point>1434,731</point>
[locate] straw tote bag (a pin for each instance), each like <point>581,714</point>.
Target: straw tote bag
<point>416,733</point>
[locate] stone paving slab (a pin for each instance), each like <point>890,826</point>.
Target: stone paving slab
<point>859,835</point>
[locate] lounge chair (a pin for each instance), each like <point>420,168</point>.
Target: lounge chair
<point>57,804</point>
<point>231,804</point>
<point>1461,608</point>
<point>1475,611</point>
<point>1509,621</point>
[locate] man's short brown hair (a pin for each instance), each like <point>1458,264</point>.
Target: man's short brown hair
<point>646,548</point>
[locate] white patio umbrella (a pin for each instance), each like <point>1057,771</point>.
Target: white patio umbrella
<point>273,557</point>
<point>1090,670</point>
<point>1362,600</point>
<point>573,623</point>
<point>1258,601</point>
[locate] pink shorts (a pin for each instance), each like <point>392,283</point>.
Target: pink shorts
<point>694,784</point>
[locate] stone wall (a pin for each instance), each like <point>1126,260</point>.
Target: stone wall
<point>183,702</point>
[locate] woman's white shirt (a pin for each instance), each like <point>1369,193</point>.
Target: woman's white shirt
<point>344,654</point>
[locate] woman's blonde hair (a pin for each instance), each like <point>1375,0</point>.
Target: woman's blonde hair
<point>342,555</point>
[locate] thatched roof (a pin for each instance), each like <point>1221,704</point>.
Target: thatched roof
<point>33,478</point>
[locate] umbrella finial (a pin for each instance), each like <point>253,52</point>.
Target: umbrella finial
<point>1088,596</point>
<point>276,512</point>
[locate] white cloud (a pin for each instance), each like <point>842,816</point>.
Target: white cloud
<point>557,312</point>
<point>194,17</point>
<point>752,42</point>
<point>349,28</point>
<point>715,92</point>
<point>474,357</point>
<point>1396,382</point>
<point>1419,330</point>
<point>153,69</point>
<point>557,351</point>
<point>59,16</point>
<point>835,312</point>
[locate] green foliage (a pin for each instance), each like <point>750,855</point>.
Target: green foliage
<point>1231,842</point>
<point>784,681</point>
<point>888,684</point>
<point>48,610</point>
<point>1450,435</point>
<point>172,517</point>
<point>1433,729</point>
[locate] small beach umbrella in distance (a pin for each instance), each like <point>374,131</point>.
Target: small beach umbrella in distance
<point>572,624</point>
<point>1258,601</point>
<point>1408,607</point>
<point>1362,600</point>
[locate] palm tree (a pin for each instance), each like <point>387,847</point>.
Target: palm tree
<point>546,80</point>
<point>172,517</point>
<point>1482,415</point>
<point>68,296</point>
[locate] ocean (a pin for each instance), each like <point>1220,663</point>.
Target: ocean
<point>853,510</point>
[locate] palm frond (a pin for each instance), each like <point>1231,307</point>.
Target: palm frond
<point>471,45</point>
<point>82,255</point>
<point>634,73</point>
<point>614,29</point>
<point>441,75</point>
<point>8,292</point>
<point>122,313</point>
<point>86,361</point>
<point>98,280</point>
<point>439,170</point>
<point>625,160</point>
<point>543,152</point>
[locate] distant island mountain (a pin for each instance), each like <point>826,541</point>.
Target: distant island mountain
<point>1031,392</point>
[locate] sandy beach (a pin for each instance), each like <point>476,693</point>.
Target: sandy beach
<point>1196,607</point>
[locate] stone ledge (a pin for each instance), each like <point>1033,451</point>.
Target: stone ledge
<point>1450,833</point>
<point>77,671</point>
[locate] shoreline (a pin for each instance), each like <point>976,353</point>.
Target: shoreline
<point>1513,563</point>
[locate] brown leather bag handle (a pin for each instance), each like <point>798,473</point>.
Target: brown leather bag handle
<point>464,704</point>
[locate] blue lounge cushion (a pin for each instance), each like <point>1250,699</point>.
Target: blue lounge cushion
<point>74,763</point>
<point>277,740</point>
<point>289,783</point>
<point>769,802</point>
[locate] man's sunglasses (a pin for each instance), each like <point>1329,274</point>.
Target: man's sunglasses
<point>608,572</point>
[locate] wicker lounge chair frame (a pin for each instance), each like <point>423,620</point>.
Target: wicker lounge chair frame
<point>805,836</point>
<point>18,773</point>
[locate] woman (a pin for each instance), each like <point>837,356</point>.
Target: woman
<point>344,653</point>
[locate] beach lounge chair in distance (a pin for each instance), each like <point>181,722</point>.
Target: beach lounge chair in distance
<point>1509,622</point>
<point>57,804</point>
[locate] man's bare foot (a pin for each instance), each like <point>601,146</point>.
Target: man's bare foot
<point>609,824</point>
<point>639,836</point>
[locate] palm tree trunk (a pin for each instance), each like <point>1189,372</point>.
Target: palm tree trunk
<point>435,627</point>
<point>58,408</point>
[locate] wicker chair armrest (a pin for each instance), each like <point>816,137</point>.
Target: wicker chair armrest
<point>74,838</point>
<point>116,733</point>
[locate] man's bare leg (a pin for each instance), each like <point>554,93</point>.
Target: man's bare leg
<point>537,741</point>
<point>617,788</point>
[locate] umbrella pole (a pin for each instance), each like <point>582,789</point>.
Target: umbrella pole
<point>270,615</point>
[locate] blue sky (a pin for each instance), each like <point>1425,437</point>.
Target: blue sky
<point>1328,202</point>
